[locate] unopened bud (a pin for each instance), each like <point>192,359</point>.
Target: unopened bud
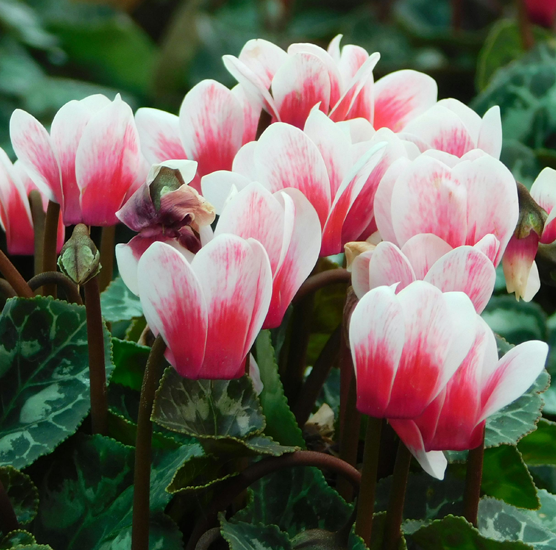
<point>531,215</point>
<point>354,249</point>
<point>79,258</point>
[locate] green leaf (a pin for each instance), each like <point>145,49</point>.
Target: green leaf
<point>244,536</point>
<point>455,533</point>
<point>280,421</point>
<point>503,522</point>
<point>546,514</point>
<point>118,303</point>
<point>22,493</point>
<point>87,496</point>
<point>17,538</point>
<point>522,162</point>
<point>216,409</point>
<point>130,360</point>
<point>506,477</point>
<point>22,21</point>
<point>539,447</point>
<point>44,395</point>
<point>295,500</point>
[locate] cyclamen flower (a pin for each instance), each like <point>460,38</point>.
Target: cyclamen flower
<point>91,161</point>
<point>164,209</point>
<point>427,257</point>
<point>459,200</point>
<point>288,227</point>
<point>289,84</point>
<point>15,212</point>
<point>482,386</point>
<point>338,177</point>
<point>407,346</point>
<point>541,12</point>
<point>210,310</point>
<point>214,122</point>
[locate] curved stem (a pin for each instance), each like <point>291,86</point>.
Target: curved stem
<point>8,519</point>
<point>6,289</point>
<point>394,515</point>
<point>107,240</point>
<point>232,487</point>
<point>50,242</point>
<point>311,389</point>
<point>366,499</point>
<point>13,276</point>
<point>210,536</point>
<point>57,278</point>
<point>37,213</point>
<point>143,446</point>
<point>525,27</point>
<point>321,280</point>
<point>473,479</point>
<point>97,368</point>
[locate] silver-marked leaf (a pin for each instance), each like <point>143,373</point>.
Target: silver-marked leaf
<point>503,522</point>
<point>44,395</point>
<point>208,408</point>
<point>22,493</point>
<point>546,514</point>
<point>118,303</point>
<point>244,536</point>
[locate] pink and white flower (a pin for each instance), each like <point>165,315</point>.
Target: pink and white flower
<point>210,310</point>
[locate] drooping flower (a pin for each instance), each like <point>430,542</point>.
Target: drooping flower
<point>214,122</point>
<point>407,346</point>
<point>482,386</point>
<point>288,227</point>
<point>165,208</point>
<point>91,161</point>
<point>210,310</point>
<point>289,84</point>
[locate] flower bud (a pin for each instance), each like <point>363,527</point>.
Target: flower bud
<point>79,258</point>
<point>354,249</point>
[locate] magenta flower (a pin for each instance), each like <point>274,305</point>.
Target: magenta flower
<point>541,12</point>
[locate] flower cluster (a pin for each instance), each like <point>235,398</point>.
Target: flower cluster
<point>306,156</point>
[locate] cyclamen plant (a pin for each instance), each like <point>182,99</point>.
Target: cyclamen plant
<point>306,158</point>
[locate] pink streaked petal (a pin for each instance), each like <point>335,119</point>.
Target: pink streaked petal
<point>351,60</point>
<point>331,66</point>
<point>107,161</point>
<point>489,245</point>
<point>389,266</point>
<point>484,178</point>
<point>376,335</point>
<point>468,116</point>
<point>286,157</point>
<point>299,84</point>
<point>467,270</point>
<point>442,129</point>
<point>517,262</point>
<point>448,159</point>
<point>400,97</point>
<point>515,374</point>
<point>219,188</point>
<point>236,279</point>
<point>333,144</point>
<point>544,189</point>
<point>300,253</point>
<point>490,134</point>
<point>264,58</point>
<point>244,161</point>
<point>423,251</point>
<point>174,306</point>
<point>429,198</point>
<point>33,148</point>
<point>360,274</point>
<point>159,132</point>
<point>251,112</point>
<point>433,462</point>
<point>211,126</point>
<point>549,232</point>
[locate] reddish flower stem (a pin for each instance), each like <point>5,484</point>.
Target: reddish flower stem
<point>50,244</point>
<point>107,240</point>
<point>37,213</point>
<point>13,276</point>
<point>321,280</point>
<point>473,479</point>
<point>57,278</point>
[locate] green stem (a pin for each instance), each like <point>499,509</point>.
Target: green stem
<point>107,240</point>
<point>13,276</point>
<point>8,519</point>
<point>37,213</point>
<point>143,446</point>
<point>473,479</point>
<point>97,368</point>
<point>50,242</point>
<point>57,278</point>
<point>394,515</point>
<point>366,499</point>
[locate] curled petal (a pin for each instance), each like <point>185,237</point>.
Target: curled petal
<point>220,187</point>
<point>264,58</point>
<point>518,262</point>
<point>389,266</point>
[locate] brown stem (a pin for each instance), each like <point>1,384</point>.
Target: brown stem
<point>256,471</point>
<point>50,242</point>
<point>457,15</point>
<point>6,289</point>
<point>97,368</point>
<point>264,122</point>
<point>13,276</point>
<point>525,28</point>
<point>321,369</point>
<point>107,240</point>
<point>143,447</point>
<point>57,278</point>
<point>8,519</point>
<point>321,280</point>
<point>210,536</point>
<point>37,213</point>
<point>473,479</point>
